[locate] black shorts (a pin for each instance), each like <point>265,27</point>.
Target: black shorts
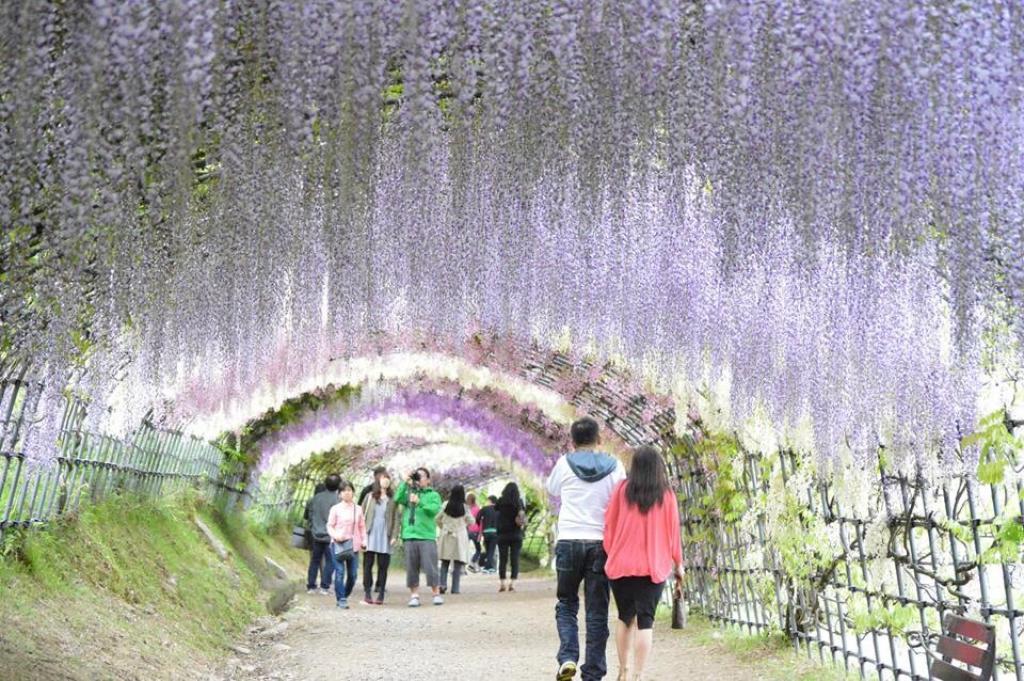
<point>637,597</point>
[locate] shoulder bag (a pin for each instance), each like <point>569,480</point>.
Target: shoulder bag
<point>521,518</point>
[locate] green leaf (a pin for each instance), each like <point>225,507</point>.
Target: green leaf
<point>992,472</point>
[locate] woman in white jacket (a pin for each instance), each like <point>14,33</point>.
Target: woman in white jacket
<point>453,545</point>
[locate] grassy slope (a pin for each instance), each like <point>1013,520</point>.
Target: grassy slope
<point>129,589</point>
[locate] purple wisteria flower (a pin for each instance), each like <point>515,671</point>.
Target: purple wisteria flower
<point>818,205</point>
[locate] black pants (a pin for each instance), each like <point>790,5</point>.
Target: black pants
<point>383,563</point>
<point>637,597</point>
<point>508,551</point>
<point>320,563</point>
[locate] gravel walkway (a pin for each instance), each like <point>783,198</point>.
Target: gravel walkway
<point>477,634</point>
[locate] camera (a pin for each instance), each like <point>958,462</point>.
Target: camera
<point>414,487</point>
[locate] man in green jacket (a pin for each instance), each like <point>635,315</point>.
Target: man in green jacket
<point>419,533</point>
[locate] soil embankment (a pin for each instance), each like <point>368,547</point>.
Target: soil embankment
<point>132,589</point>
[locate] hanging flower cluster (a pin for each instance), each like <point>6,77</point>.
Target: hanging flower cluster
<point>822,202</point>
<point>213,403</point>
<point>470,476</point>
<point>450,420</point>
<point>529,417</point>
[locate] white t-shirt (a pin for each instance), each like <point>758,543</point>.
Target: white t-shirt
<point>584,503</point>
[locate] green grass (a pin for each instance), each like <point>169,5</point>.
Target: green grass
<point>132,586</point>
<point>772,656</point>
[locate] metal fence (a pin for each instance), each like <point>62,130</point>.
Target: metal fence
<point>88,466</point>
<point>938,552</point>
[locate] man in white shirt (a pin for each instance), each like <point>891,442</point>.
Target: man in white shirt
<point>584,480</point>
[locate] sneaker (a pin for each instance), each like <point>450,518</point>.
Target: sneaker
<point>414,602</point>
<point>311,591</point>
<point>343,604</point>
<point>438,599</point>
<point>566,672</point>
<point>444,589</point>
<point>367,601</point>
<point>324,592</point>
<point>379,601</point>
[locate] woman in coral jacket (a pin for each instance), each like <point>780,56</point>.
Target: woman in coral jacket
<point>641,539</point>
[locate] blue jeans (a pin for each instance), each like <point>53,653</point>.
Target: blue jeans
<point>349,567</point>
<point>475,538</point>
<point>490,543</point>
<point>582,561</point>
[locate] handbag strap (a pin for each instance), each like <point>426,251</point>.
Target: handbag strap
<point>353,524</point>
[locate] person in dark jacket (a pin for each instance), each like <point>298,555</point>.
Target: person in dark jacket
<point>511,521</point>
<point>309,508</point>
<point>487,518</point>
<point>317,510</point>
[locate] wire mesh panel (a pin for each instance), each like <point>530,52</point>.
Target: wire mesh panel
<point>864,590</point>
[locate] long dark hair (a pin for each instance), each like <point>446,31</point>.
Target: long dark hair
<point>456,507</point>
<point>376,489</point>
<point>510,496</point>
<point>648,480</point>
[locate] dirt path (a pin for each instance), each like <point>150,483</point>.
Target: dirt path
<point>479,633</point>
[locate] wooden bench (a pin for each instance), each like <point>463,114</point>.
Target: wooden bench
<point>960,641</point>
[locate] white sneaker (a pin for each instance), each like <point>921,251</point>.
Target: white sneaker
<point>414,602</point>
<point>438,599</point>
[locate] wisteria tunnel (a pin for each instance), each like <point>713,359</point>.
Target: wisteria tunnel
<point>249,243</point>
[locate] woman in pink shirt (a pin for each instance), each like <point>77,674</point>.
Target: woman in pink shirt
<point>641,539</point>
<point>345,522</point>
